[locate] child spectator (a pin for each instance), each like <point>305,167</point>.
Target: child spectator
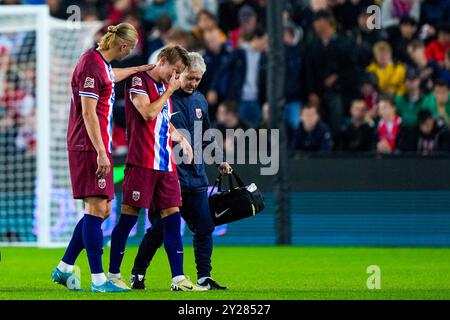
<point>369,91</point>
<point>410,103</point>
<point>434,135</point>
<point>388,127</point>
<point>359,134</point>
<point>436,50</point>
<point>391,76</point>
<point>313,135</point>
<point>438,102</point>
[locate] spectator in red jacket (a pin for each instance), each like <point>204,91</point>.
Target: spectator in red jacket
<point>389,125</point>
<point>435,51</point>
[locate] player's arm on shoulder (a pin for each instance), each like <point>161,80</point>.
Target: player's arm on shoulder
<point>123,73</point>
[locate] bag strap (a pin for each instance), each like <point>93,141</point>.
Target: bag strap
<point>217,183</point>
<point>219,179</point>
<point>230,182</point>
<point>238,179</point>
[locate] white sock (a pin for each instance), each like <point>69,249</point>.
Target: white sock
<point>98,278</point>
<point>178,278</point>
<point>113,275</point>
<point>64,267</point>
<point>202,279</point>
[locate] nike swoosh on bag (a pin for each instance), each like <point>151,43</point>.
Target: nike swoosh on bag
<point>218,215</point>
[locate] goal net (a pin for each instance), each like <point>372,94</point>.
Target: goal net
<point>37,57</point>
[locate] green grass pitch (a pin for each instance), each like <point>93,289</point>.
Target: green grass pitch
<point>287,273</point>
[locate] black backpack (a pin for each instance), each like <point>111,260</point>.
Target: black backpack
<point>236,203</point>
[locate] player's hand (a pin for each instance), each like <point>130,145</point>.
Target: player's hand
<point>104,165</point>
<point>187,149</point>
<point>225,169</point>
<point>174,82</point>
<point>145,67</point>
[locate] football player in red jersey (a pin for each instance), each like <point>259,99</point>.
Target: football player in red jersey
<point>89,142</point>
<point>150,175</point>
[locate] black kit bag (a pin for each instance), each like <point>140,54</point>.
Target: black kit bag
<point>236,203</point>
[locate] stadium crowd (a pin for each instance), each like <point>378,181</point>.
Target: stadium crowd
<point>349,87</point>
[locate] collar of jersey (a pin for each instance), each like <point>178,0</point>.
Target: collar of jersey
<point>103,58</point>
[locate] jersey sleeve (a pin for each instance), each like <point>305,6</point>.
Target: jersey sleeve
<point>137,85</point>
<point>90,82</point>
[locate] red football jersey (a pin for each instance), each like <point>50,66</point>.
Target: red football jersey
<point>93,77</point>
<point>149,142</point>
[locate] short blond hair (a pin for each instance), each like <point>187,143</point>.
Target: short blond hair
<point>382,47</point>
<point>117,34</point>
<point>175,53</point>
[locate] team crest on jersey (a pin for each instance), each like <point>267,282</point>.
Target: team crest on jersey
<point>136,195</point>
<point>102,183</point>
<point>198,113</point>
<point>136,81</point>
<point>89,82</point>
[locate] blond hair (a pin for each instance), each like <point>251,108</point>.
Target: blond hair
<point>382,47</point>
<point>175,53</point>
<point>117,34</point>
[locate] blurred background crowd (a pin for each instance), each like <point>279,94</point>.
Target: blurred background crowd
<point>350,87</point>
